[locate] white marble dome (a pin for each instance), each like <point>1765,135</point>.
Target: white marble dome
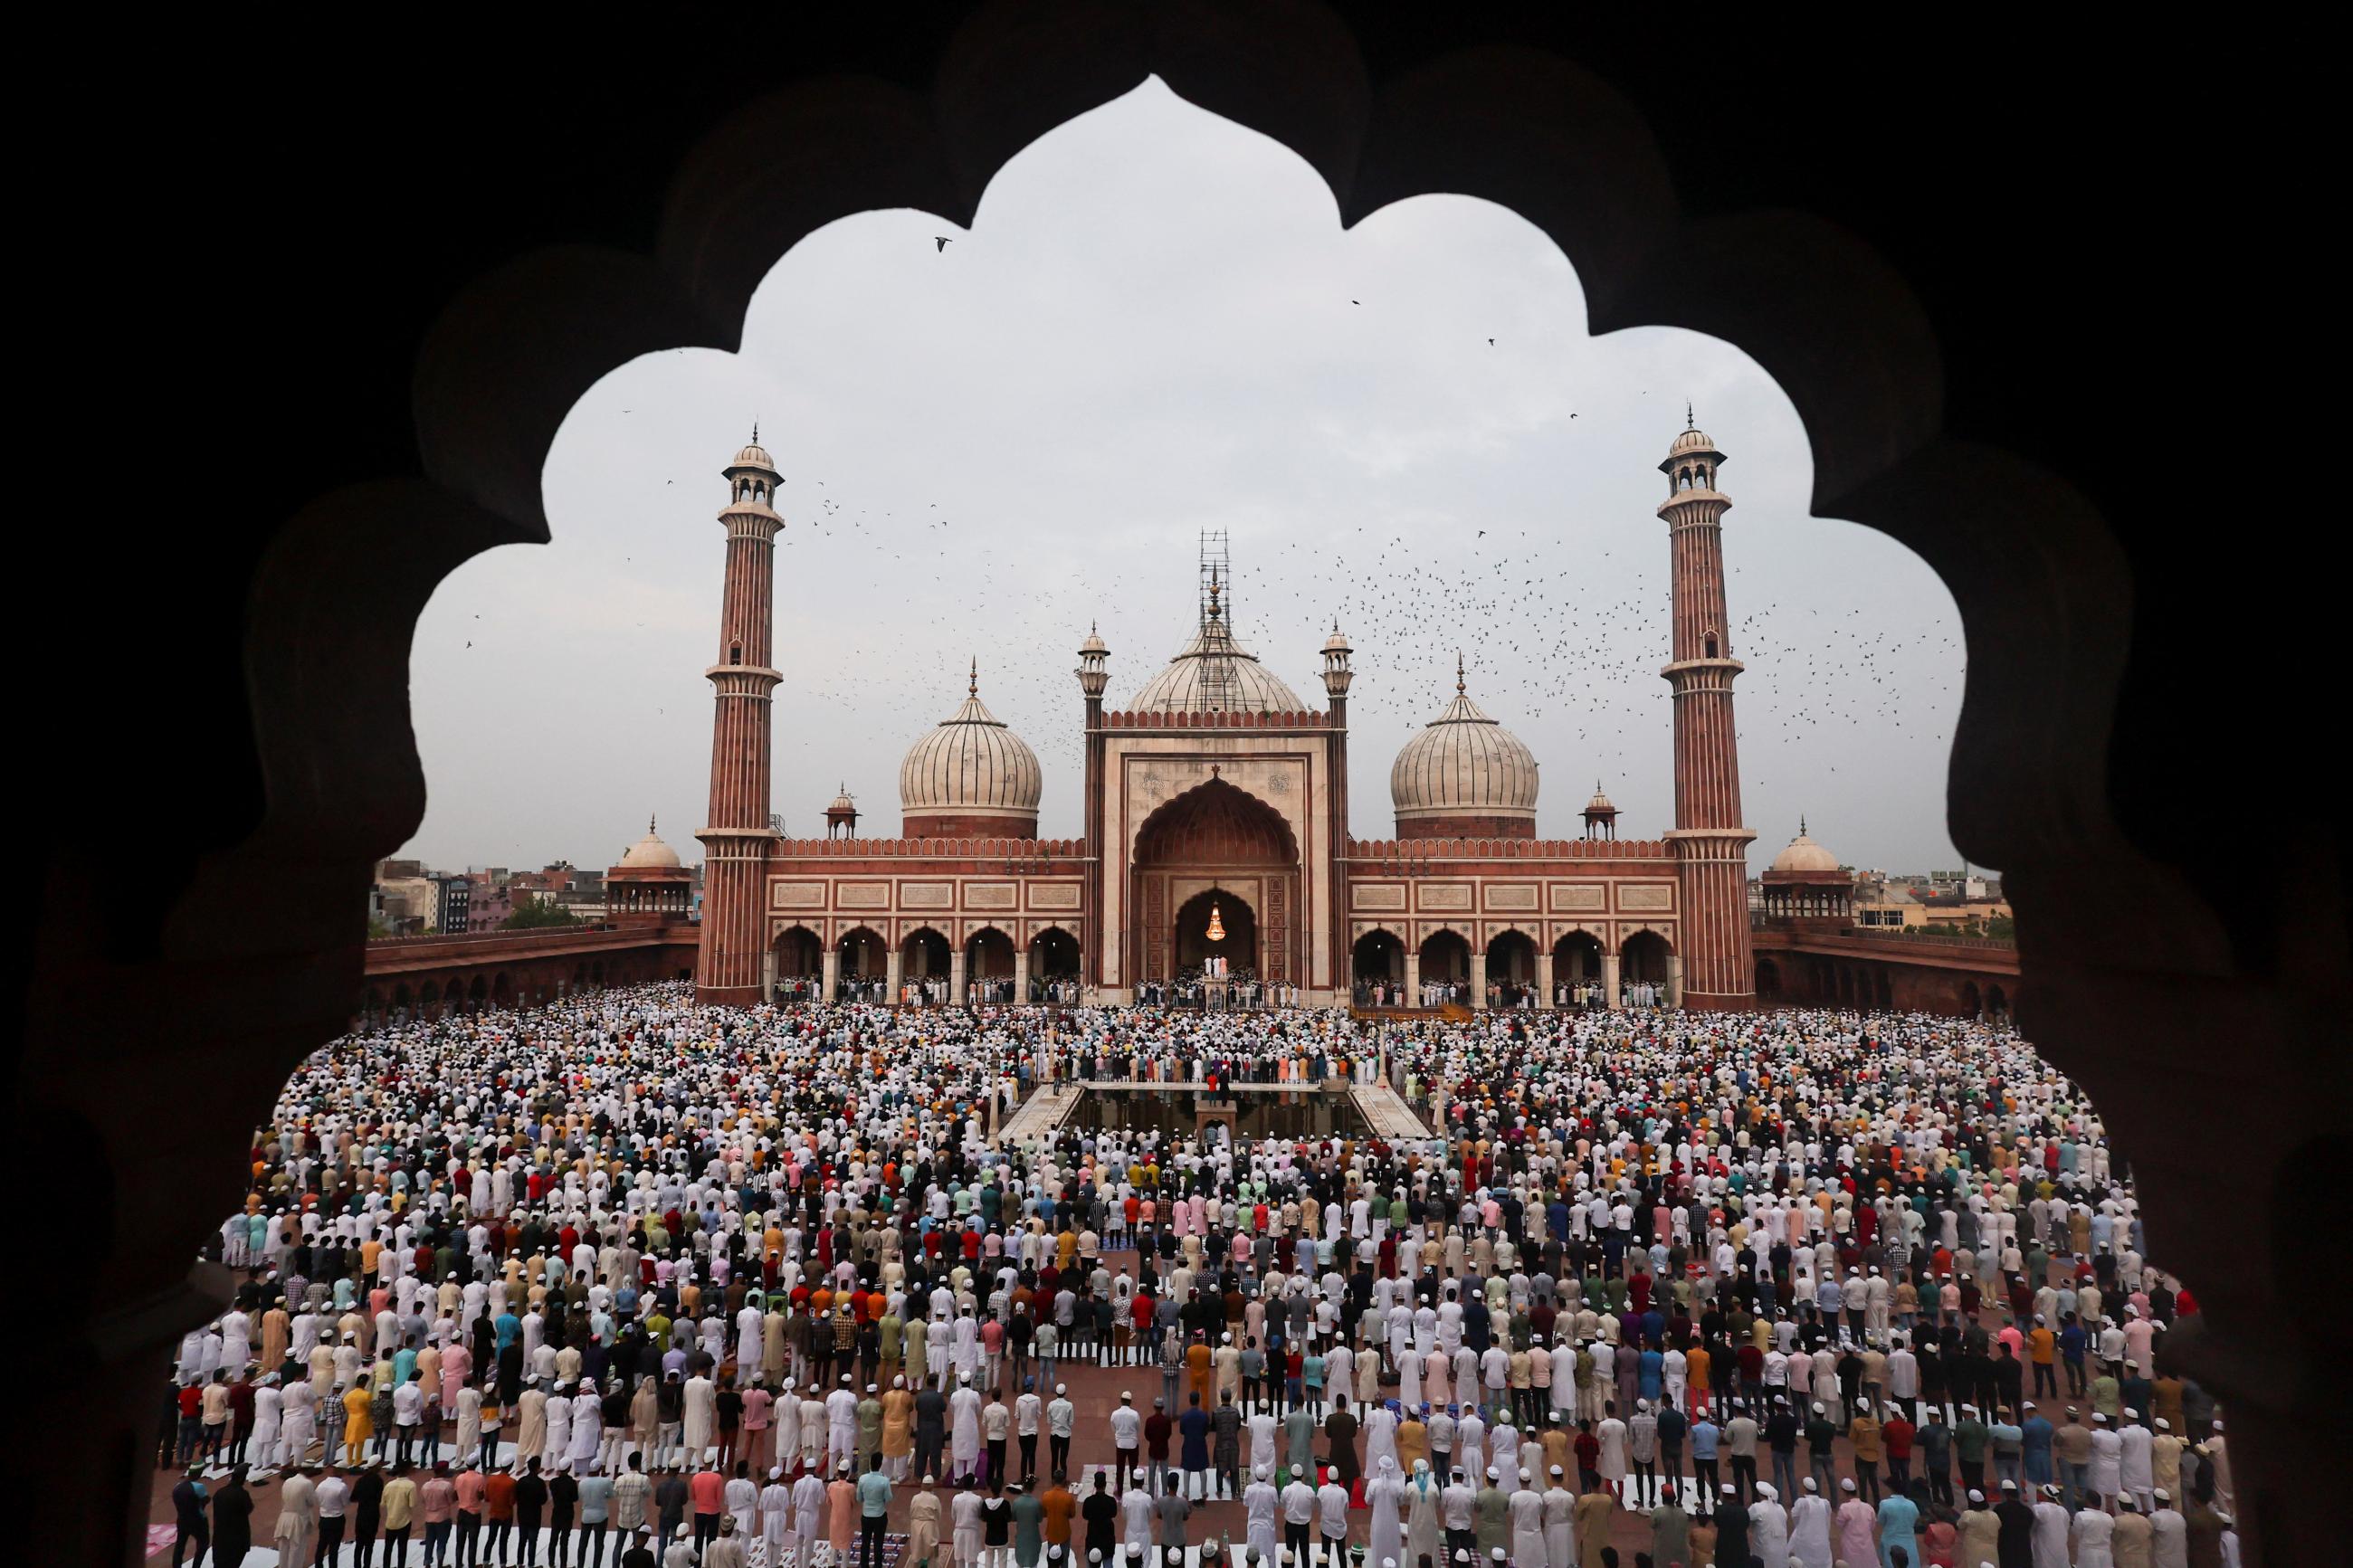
<point>1691,441</point>
<point>1464,763</point>
<point>1213,674</point>
<point>1804,855</point>
<point>971,765</point>
<point>650,852</point>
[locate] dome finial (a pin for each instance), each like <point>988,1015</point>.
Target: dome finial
<point>1689,423</point>
<point>1801,825</point>
<point>649,824</point>
<point>972,688</point>
<point>1459,688</point>
<point>755,429</point>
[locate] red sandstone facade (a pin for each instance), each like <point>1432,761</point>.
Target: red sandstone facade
<point>1711,845</point>
<point>1218,791</point>
<point>1218,801</point>
<point>737,842</point>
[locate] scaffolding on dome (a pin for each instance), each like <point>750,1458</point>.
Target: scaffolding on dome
<point>1215,576</point>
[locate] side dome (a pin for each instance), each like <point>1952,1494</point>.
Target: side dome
<point>972,777</point>
<point>1804,855</point>
<point>1215,674</point>
<point>1464,776</point>
<point>651,853</point>
<point>753,456</point>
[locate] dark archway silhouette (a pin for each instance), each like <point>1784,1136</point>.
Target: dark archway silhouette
<point>1511,966</point>
<point>1379,955</point>
<point>1446,959</point>
<point>799,955</point>
<point>457,336</point>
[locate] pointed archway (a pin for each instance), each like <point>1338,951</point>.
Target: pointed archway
<point>1217,923</point>
<point>1216,838</point>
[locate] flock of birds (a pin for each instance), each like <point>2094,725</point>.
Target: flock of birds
<point>1562,633</point>
<point>1563,628</point>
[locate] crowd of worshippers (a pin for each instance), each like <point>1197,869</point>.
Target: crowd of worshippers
<point>605,1255</point>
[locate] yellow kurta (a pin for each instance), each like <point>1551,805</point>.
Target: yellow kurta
<point>358,1427</point>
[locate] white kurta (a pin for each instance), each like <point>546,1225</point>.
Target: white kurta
<point>699,1413</point>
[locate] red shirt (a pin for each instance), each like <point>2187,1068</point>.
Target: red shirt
<point>709,1489</point>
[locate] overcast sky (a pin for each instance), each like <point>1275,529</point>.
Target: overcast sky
<point>1157,326</point>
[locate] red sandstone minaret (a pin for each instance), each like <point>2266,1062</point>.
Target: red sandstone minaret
<point>737,842</point>
<point>1711,845</point>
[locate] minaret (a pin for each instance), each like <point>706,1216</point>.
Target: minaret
<point>736,843</point>
<point>1094,676</point>
<point>1709,842</point>
<point>1339,676</point>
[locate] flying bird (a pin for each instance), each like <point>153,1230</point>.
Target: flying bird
<point>941,240</point>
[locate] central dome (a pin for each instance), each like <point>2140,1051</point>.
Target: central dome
<point>1215,674</point>
<point>971,777</point>
<point>1464,776</point>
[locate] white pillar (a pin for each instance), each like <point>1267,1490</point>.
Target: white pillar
<point>1020,974</point>
<point>1675,980</point>
<point>768,973</point>
<point>894,967</point>
<point>830,971</point>
<point>1479,979</point>
<point>955,974</point>
<point>1544,979</point>
<point>1609,981</point>
<point>1412,977</point>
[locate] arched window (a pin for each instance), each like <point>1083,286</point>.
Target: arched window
<point>736,653</point>
<point>1711,645</point>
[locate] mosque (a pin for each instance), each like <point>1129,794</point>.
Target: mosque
<point>1219,835</point>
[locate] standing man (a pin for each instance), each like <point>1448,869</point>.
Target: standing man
<point>873,1515</point>
<point>232,1520</point>
<point>1126,1438</point>
<point>188,1501</point>
<point>1061,1420</point>
<point>333,1502</point>
<point>297,1530</point>
<point>396,1512</point>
